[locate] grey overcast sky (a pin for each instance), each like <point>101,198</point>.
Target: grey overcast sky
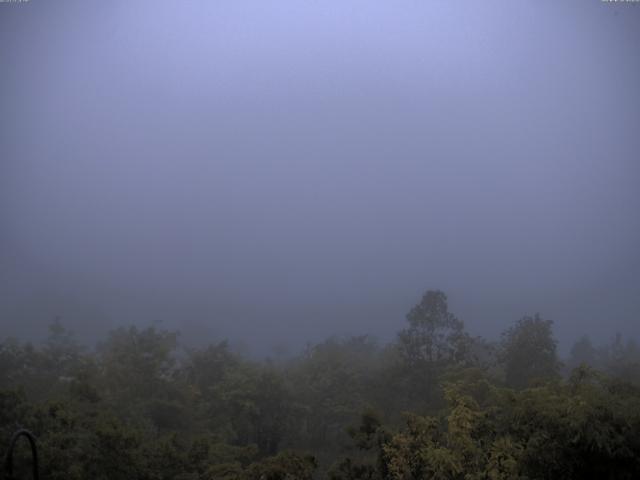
<point>276,171</point>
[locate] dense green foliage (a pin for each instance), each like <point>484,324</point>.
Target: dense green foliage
<point>434,404</point>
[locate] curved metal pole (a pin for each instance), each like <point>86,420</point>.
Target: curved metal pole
<point>8,461</point>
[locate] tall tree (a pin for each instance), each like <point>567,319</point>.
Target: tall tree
<point>529,352</point>
<point>435,339</point>
<point>583,352</point>
<point>435,335</point>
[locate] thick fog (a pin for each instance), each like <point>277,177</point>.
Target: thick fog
<point>279,171</point>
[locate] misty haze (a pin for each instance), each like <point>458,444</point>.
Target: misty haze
<point>286,239</point>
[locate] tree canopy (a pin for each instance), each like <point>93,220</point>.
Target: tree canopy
<point>434,403</point>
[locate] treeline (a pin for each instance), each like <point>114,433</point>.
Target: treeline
<point>436,403</point>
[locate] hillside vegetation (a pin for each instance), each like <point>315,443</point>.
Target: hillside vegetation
<point>436,403</point>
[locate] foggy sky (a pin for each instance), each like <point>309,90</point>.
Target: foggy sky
<point>279,171</point>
